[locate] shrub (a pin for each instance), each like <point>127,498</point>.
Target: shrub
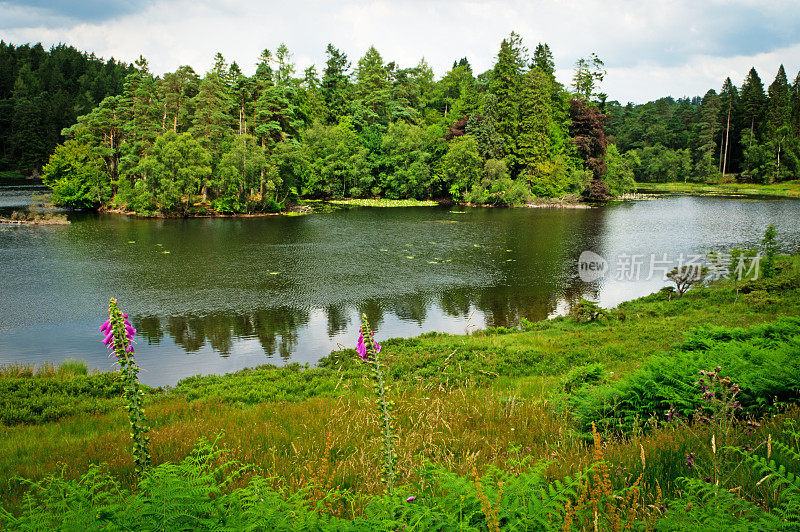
<point>762,360</point>
<point>582,375</point>
<point>587,311</point>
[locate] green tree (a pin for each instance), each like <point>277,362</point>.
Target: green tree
<point>405,171</point>
<point>619,174</point>
<point>338,161</point>
<point>589,73</point>
<point>245,178</point>
<point>753,102</point>
<point>178,168</point>
<point>483,127</point>
<point>779,113</point>
<point>462,166</point>
<point>543,59</point>
<point>29,117</point>
<point>214,111</point>
<point>707,133</point>
<point>729,102</point>
<point>76,175</point>
<point>506,82</point>
<point>539,136</point>
<point>176,91</point>
<point>372,90</point>
<point>336,85</point>
<point>140,121</point>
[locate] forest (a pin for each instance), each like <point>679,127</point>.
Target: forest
<point>120,137</point>
<point>44,91</point>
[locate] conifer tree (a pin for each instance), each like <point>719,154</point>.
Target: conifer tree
<point>707,135</point>
<point>214,110</point>
<point>753,102</point>
<point>335,85</point>
<point>506,83</point>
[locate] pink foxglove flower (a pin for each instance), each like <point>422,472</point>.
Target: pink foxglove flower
<point>361,347</point>
<point>108,329</point>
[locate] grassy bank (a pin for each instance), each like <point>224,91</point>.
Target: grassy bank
<point>473,414</point>
<point>788,189</point>
<point>7,174</point>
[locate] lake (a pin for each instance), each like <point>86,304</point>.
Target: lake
<point>215,295</point>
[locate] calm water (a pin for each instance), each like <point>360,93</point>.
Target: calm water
<point>216,295</point>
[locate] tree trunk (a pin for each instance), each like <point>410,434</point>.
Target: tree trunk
<point>261,185</point>
<point>727,139</point>
<point>175,120</point>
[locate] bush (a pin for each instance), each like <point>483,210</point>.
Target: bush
<point>583,375</point>
<point>588,311</point>
<point>762,360</point>
<point>66,391</point>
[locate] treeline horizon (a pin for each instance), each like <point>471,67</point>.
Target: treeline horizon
<point>227,142</point>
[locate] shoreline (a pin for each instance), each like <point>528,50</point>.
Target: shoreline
<point>787,189</point>
<point>34,222</point>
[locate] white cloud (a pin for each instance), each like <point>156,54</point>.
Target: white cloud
<point>650,48</point>
<point>697,75</point>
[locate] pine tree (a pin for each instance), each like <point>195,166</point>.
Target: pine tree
<point>707,132</point>
<point>483,127</point>
<point>140,120</point>
<point>588,74</point>
<point>779,113</point>
<point>753,102</point>
<point>506,83</point>
<point>779,105</point>
<point>535,143</point>
<point>335,85</point>
<point>543,59</point>
<point>28,122</point>
<point>729,99</point>
<point>372,88</point>
<point>795,101</point>
<point>214,107</point>
<point>177,88</point>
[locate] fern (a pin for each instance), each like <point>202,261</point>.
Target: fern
<point>704,506</point>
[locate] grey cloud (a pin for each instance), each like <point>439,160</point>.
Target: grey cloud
<point>53,13</point>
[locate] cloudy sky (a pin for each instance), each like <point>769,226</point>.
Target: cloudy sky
<point>650,48</point>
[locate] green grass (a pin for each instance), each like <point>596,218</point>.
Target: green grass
<point>7,174</point>
<point>462,402</point>
<point>40,394</point>
<point>789,189</point>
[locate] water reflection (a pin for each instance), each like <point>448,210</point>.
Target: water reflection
<point>275,329</point>
<point>215,295</point>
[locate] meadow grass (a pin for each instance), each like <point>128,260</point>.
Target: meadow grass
<point>789,189</point>
<point>466,403</point>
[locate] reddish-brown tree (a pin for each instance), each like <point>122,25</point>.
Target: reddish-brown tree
<point>458,129</point>
<point>589,137</point>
